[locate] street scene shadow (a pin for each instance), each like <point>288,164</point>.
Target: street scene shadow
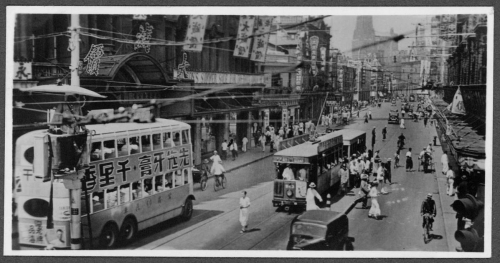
<point>252,230</point>
<point>433,236</point>
<point>381,217</point>
<point>170,226</point>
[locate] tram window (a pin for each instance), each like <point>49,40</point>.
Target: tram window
<point>146,143</point>
<point>159,184</point>
<point>148,186</point>
<point>136,189</point>
<point>97,202</point>
<point>185,137</point>
<point>167,140</point>
<point>178,178</point>
<point>157,141</point>
<point>177,138</point>
<point>96,153</point>
<point>122,147</point>
<point>134,145</point>
<point>168,181</point>
<point>111,197</point>
<point>124,193</point>
<point>109,149</point>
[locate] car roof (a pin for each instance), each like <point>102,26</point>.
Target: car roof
<point>321,217</point>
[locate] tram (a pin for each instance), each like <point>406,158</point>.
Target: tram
<point>354,141</point>
<point>313,161</point>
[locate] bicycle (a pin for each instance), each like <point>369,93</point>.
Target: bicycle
<point>427,227</point>
<point>203,181</point>
<point>220,183</point>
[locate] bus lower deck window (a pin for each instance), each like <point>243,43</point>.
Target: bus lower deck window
<point>124,193</point>
<point>159,186</point>
<point>168,180</point>
<point>185,137</point>
<point>96,152</point>
<point>97,202</point>
<point>146,143</point>
<point>111,197</point>
<point>178,178</point>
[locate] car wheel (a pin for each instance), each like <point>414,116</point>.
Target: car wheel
<point>128,230</point>
<point>187,210</point>
<point>109,236</point>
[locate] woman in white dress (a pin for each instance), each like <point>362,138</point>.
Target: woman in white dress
<point>402,124</point>
<point>244,205</point>
<point>311,193</point>
<point>375,208</point>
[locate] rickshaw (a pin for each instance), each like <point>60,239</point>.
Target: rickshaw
<point>311,161</point>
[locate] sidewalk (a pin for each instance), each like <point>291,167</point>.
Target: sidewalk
<point>252,155</point>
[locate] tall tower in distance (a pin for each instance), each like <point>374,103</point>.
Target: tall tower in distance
<point>364,34</point>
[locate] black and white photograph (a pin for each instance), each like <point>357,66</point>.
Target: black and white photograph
<point>271,131</point>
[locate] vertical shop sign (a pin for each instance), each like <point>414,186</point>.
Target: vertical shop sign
<point>244,39</point>
<point>284,119</point>
<point>313,43</point>
<point>143,37</point>
<point>298,51</point>
<point>322,51</point>
<point>448,26</point>
<point>298,79</point>
<point>266,117</point>
<point>22,70</point>
<point>93,59</point>
<point>261,38</point>
<point>195,33</point>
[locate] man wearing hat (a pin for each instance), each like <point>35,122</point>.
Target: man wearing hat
<point>388,175</point>
<point>310,195</point>
<point>428,208</point>
<point>344,179</point>
<point>384,133</point>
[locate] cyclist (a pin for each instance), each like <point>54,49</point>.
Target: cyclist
<point>428,211</point>
<point>218,171</point>
<point>205,170</point>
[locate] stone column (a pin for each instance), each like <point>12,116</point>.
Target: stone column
<point>249,131</point>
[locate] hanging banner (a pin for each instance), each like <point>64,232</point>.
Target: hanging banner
<point>458,103</point>
<point>313,43</point>
<point>298,79</point>
<point>143,37</point>
<point>266,117</point>
<point>322,51</point>
<point>261,38</point>
<point>195,33</point>
<point>245,29</point>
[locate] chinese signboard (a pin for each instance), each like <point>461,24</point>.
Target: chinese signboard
<point>22,71</point>
<point>245,30</point>
<point>93,59</point>
<point>322,51</point>
<point>290,159</point>
<point>182,68</point>
<point>223,78</point>
<point>298,51</point>
<point>298,79</point>
<point>36,233</point>
<point>195,33</point>
<point>266,117</point>
<point>261,38</point>
<point>322,146</point>
<point>143,37</point>
<point>313,43</point>
<point>107,174</point>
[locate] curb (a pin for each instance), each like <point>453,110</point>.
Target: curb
<point>245,164</point>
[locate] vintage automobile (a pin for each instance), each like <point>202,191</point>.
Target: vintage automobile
<point>393,103</point>
<point>320,230</point>
<point>393,117</point>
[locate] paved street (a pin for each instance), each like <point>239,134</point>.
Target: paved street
<point>215,223</point>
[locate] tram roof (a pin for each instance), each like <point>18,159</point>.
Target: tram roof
<point>306,149</point>
<point>132,126</point>
<point>349,134</point>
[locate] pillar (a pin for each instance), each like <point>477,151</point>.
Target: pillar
<point>197,141</point>
<point>249,131</point>
<point>219,130</point>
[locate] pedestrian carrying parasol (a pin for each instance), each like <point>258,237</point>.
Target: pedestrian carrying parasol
<point>66,89</point>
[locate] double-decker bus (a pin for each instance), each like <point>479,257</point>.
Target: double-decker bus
<point>137,175</point>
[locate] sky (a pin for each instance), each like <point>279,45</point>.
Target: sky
<point>343,29</point>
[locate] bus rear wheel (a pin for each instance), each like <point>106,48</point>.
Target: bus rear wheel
<point>187,210</point>
<point>109,236</point>
<point>128,231</point>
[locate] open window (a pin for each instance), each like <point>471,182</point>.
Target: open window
<point>177,138</point>
<point>169,180</point>
<point>134,145</point>
<point>158,184</point>
<point>167,140</point>
<point>185,137</point>
<point>96,152</point>
<point>178,178</point>
<point>125,193</point>
<point>146,143</point>
<point>97,202</point>
<point>109,149</point>
<point>157,141</point>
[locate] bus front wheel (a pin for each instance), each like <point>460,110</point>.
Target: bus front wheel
<point>187,210</point>
<point>129,230</point>
<point>109,236</point>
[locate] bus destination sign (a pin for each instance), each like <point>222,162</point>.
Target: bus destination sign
<point>289,159</point>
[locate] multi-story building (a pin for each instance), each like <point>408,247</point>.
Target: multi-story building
<point>135,73</point>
